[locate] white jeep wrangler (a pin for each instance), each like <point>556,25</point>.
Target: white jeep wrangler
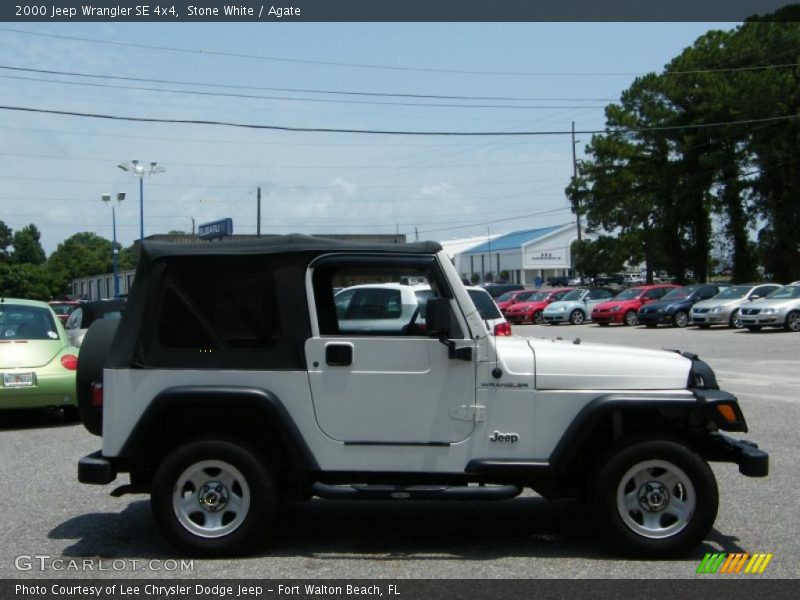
<point>228,386</point>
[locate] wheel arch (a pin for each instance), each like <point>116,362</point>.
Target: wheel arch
<point>254,415</point>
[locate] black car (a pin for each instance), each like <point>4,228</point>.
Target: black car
<point>498,289</point>
<point>674,308</point>
<point>558,281</point>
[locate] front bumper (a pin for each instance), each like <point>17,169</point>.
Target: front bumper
<point>608,317</point>
<point>770,320</point>
<point>718,318</point>
<point>752,461</point>
<point>657,318</point>
<point>96,469</point>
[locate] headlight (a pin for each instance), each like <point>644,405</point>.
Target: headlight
<point>615,308</point>
<point>716,309</point>
<point>770,311</point>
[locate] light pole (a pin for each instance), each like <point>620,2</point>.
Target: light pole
<point>114,249</point>
<point>141,171</point>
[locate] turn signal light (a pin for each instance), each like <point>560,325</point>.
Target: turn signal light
<point>502,329</point>
<point>69,361</point>
<point>727,412</point>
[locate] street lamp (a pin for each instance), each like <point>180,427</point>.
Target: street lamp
<point>114,248</point>
<point>141,171</point>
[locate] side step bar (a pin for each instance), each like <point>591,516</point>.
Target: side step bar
<point>414,492</point>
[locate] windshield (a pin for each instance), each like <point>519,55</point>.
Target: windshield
<point>507,296</point>
<point>680,293</point>
<point>573,295</point>
<point>786,292</point>
<point>485,305</point>
<point>525,296</point>
<point>538,297</point>
<point>18,322</point>
<point>629,294</point>
<point>737,291</point>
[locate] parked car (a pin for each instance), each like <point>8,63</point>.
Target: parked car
<point>723,309</point>
<point>624,307</point>
<point>227,389</point>
<point>63,308</point>
<point>674,309</point>
<point>781,308</point>
<point>531,310</point>
<point>498,289</point>
<point>87,313</point>
<point>37,361</point>
<point>576,306</point>
<point>615,279</point>
<point>558,281</point>
<point>490,313</point>
<point>634,279</point>
<point>505,300</point>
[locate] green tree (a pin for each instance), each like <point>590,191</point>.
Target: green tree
<point>81,255</point>
<point>27,247</point>
<point>25,280</point>
<point>6,240</point>
<point>606,254</point>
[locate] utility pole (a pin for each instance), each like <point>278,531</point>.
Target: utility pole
<point>574,179</point>
<point>258,212</point>
<point>416,234</point>
<point>192,218</point>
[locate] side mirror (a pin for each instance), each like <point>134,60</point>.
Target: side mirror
<point>438,317</point>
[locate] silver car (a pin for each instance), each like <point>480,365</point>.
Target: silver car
<point>576,307</point>
<point>723,309</point>
<point>780,309</point>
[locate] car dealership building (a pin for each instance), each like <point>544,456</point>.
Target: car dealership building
<point>543,252</point>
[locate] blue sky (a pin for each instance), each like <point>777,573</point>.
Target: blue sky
<point>54,169</point>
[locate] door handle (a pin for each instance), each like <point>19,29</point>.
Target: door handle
<point>339,355</point>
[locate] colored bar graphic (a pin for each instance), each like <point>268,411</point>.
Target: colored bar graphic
<point>725,563</point>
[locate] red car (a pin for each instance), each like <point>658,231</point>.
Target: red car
<point>623,307</point>
<point>63,308</point>
<point>510,298</point>
<point>530,311</point>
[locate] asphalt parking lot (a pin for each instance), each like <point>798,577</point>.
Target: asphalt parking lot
<point>47,512</point>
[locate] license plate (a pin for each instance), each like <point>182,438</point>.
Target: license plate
<point>17,379</point>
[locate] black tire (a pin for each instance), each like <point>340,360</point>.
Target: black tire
<point>71,414</point>
<point>618,526</point>
<point>577,317</point>
<point>792,322</point>
<point>631,319</point>
<point>538,318</point>
<point>94,350</point>
<point>735,321</point>
<point>680,319</point>
<point>253,522</point>
<point>754,327</point>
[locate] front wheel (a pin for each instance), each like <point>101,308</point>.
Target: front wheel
<point>654,499</point>
<point>681,319</point>
<point>213,498</point>
<point>736,320</point>
<point>538,318</point>
<point>577,317</point>
<point>792,321</point>
<point>631,318</point>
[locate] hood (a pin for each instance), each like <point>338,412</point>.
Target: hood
<point>516,356</point>
<point>567,366</point>
<point>612,303</point>
<point>772,303</point>
<point>28,353</point>
<point>563,305</point>
<point>652,306</point>
<point>711,303</point>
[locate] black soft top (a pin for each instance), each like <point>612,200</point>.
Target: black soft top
<point>279,244</point>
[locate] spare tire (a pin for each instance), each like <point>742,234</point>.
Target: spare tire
<point>91,360</point>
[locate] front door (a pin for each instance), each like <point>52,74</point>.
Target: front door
<point>375,375</point>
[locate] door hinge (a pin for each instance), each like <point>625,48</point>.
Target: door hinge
<point>473,413</point>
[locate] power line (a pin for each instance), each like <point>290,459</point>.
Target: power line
<point>288,98</point>
<point>387,131</point>
<point>355,65</point>
<point>302,90</point>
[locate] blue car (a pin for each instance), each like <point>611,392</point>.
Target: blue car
<point>675,307</point>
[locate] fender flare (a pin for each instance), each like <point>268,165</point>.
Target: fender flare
<point>266,402</point>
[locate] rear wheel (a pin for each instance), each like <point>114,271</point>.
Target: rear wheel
<point>577,317</point>
<point>792,322</point>
<point>654,498</point>
<point>213,498</point>
<point>631,318</point>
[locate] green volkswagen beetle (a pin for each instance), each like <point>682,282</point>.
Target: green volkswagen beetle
<point>37,364</point>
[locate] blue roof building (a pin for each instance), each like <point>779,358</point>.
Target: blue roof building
<point>520,256</point>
